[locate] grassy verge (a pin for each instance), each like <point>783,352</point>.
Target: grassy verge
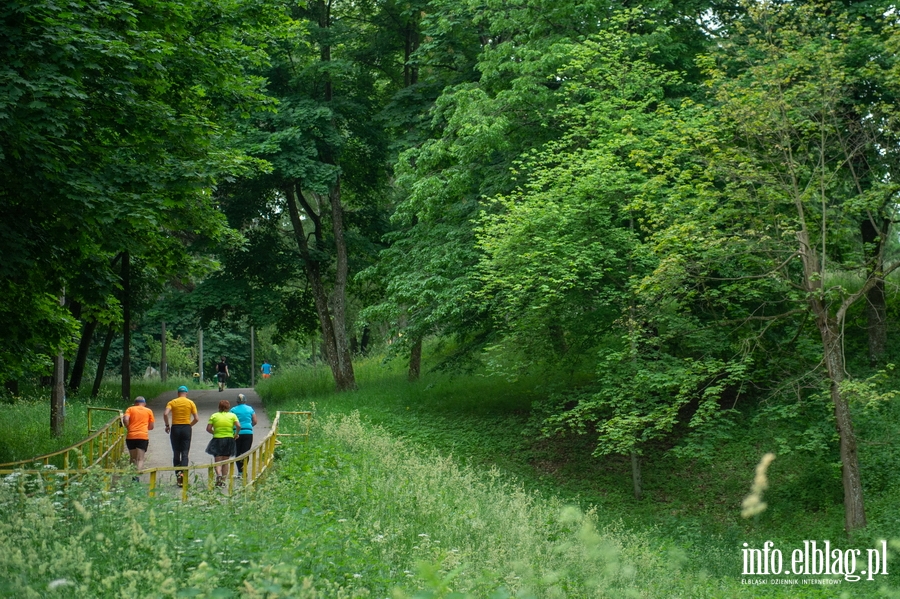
<point>403,491</point>
<point>355,512</point>
<point>691,506</point>
<point>27,417</point>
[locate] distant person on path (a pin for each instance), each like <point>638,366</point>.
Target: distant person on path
<point>138,420</point>
<point>224,427</point>
<point>244,440</point>
<point>222,373</point>
<point>183,412</point>
<point>266,369</point>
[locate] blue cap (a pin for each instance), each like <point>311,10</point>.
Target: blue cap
<point>182,389</point>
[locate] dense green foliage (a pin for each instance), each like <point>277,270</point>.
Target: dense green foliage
<point>111,133</point>
<point>670,226</point>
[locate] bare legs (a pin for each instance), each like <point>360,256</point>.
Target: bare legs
<point>221,470</point>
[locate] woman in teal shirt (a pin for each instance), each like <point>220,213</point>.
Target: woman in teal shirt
<point>243,441</point>
<point>224,427</point>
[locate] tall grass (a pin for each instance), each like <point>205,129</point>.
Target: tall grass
<point>469,416</point>
<point>364,510</point>
<point>485,421</point>
<point>25,419</point>
<point>354,512</point>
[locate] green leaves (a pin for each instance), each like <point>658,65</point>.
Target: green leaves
<point>114,124</point>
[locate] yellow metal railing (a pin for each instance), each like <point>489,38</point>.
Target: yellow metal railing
<point>256,463</point>
<point>102,448</point>
<point>107,443</point>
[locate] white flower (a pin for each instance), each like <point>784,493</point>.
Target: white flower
<point>59,582</point>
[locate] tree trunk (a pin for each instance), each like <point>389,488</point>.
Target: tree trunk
<point>415,361</point>
<point>636,478</point>
<point>163,359</point>
<point>325,49</point>
<point>830,330</point>
<point>364,341</point>
<point>101,363</point>
<point>126,326</point>
<point>339,293</point>
<point>87,335</point>
<point>58,397</point>
<point>854,506</point>
<point>76,310</point>
<point>411,44</point>
<point>558,340</point>
<point>876,306</point>
<point>58,392</point>
<point>327,323</point>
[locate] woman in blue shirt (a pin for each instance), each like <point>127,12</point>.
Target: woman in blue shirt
<point>244,440</point>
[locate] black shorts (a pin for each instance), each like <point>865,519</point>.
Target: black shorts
<point>137,444</point>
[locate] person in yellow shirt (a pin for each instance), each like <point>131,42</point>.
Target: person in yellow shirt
<point>138,421</point>
<point>183,413</point>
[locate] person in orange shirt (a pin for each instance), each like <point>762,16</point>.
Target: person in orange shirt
<point>183,412</point>
<point>138,421</point>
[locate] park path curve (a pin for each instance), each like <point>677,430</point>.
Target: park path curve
<point>159,452</point>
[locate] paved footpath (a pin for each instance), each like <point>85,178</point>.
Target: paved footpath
<point>159,453</point>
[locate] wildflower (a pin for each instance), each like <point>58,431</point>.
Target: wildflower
<point>753,503</point>
<point>59,582</point>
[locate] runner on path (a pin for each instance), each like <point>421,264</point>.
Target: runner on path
<point>183,412</point>
<point>138,420</point>
<point>222,373</point>
<point>207,401</point>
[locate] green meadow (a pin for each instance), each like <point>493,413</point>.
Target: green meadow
<point>440,488</point>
